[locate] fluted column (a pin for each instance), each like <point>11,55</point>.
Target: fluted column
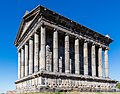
<point>19,64</point>
<point>85,58</point>
<point>93,60</point>
<point>22,63</point>
<point>55,51</point>
<point>71,65</point>
<point>36,51</point>
<point>77,64</point>
<point>100,62</point>
<point>43,48</point>
<point>106,63</point>
<point>26,59</point>
<point>60,65</point>
<point>30,55</point>
<point>67,55</point>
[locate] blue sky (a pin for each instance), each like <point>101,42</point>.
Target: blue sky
<point>102,16</point>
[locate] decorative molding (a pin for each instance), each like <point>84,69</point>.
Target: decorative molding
<point>66,23</point>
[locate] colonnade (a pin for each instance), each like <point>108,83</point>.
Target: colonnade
<point>32,56</point>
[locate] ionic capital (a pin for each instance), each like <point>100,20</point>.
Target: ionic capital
<point>96,43</point>
<point>26,43</point>
<point>107,48</point>
<point>36,32</point>
<point>55,29</point>
<point>100,46</point>
<point>31,38</point>
<point>19,50</point>
<point>86,41</point>
<point>93,44</point>
<point>76,38</point>
<point>67,34</point>
<point>22,48</point>
<point>43,25</point>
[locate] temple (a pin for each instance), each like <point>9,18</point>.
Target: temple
<point>58,54</point>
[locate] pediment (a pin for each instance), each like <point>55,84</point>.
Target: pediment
<point>25,27</point>
<point>25,24</point>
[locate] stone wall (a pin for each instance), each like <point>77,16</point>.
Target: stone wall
<point>59,83</point>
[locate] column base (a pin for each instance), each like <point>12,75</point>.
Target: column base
<point>107,77</point>
<point>86,75</point>
<point>41,70</point>
<point>36,69</point>
<point>100,76</point>
<point>77,72</point>
<point>67,71</point>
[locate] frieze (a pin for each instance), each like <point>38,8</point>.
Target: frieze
<point>66,23</point>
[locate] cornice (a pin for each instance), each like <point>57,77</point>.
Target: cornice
<point>64,22</point>
<point>73,26</point>
<point>18,38</point>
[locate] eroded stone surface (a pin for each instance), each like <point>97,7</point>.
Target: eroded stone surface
<point>57,54</point>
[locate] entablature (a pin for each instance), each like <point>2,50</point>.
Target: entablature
<point>74,26</point>
<point>63,22</point>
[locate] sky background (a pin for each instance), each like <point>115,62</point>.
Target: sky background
<point>102,16</point>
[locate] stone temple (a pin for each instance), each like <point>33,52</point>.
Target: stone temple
<point>58,54</point>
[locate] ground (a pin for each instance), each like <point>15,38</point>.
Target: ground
<point>77,93</point>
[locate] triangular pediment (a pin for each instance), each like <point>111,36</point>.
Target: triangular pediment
<point>25,27</point>
<point>27,21</point>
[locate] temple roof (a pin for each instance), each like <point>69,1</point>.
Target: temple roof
<point>40,11</point>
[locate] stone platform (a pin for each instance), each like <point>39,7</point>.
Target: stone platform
<point>53,81</point>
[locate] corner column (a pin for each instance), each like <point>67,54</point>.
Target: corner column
<point>55,51</point>
<point>106,63</point>
<point>93,60</point>
<point>31,55</point>
<point>36,52</point>
<point>77,64</point>
<point>67,55</point>
<point>19,64</point>
<point>100,62</point>
<point>85,58</point>
<point>43,48</point>
<point>22,63</point>
<point>26,59</point>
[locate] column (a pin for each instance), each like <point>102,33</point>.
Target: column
<point>100,62</point>
<point>36,52</point>
<point>31,55</point>
<point>19,64</point>
<point>60,65</point>
<point>77,64</point>
<point>43,48</point>
<point>106,63</point>
<point>26,59</point>
<point>22,63</point>
<point>85,58</point>
<point>71,66</point>
<point>67,55</point>
<point>55,51</point>
<point>93,60</point>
